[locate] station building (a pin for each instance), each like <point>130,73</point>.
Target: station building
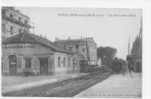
<point>35,54</point>
<point>13,22</point>
<point>85,47</point>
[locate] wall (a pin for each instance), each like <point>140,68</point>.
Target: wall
<point>93,53</point>
<point>62,68</point>
<point>34,51</point>
<point>6,24</point>
<point>92,48</point>
<point>16,28</point>
<point>69,67</point>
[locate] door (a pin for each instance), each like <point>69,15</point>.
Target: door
<point>43,65</point>
<point>28,63</point>
<point>12,64</point>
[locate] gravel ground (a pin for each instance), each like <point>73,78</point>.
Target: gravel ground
<point>66,88</point>
<point>16,80</point>
<point>10,83</point>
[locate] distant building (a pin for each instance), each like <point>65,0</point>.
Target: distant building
<point>136,52</point>
<point>86,48</point>
<point>29,52</point>
<point>13,22</point>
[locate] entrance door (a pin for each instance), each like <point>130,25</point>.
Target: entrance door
<point>12,64</point>
<point>43,65</point>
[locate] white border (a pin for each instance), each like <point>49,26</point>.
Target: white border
<point>145,5</point>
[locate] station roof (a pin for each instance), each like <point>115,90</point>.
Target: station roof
<point>75,41</point>
<point>34,39</point>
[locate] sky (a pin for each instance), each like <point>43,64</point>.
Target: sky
<point>108,27</point>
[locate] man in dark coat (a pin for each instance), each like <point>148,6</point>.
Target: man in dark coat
<point>130,63</point>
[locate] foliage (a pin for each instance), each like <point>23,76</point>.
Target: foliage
<point>119,66</point>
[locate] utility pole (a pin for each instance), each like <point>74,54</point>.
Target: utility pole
<point>129,45</point>
<point>87,47</point>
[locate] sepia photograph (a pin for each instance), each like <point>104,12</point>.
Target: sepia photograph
<point>71,52</point>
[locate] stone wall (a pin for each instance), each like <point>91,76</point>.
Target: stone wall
<point>14,19</point>
<point>6,29</point>
<point>33,51</point>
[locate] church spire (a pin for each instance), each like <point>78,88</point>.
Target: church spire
<point>140,30</point>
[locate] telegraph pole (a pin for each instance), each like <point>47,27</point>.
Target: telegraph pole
<point>87,47</point>
<point>129,45</point>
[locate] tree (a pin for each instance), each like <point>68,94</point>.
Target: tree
<point>106,54</point>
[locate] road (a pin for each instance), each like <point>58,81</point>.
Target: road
<point>116,86</point>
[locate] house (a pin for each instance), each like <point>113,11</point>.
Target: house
<point>13,22</point>
<point>38,55</point>
<point>135,57</point>
<point>86,48</point>
<point>136,54</point>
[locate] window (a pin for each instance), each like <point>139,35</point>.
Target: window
<point>64,61</point>
<point>70,48</point>
<point>3,28</point>
<point>11,29</point>
<point>77,47</point>
<point>25,21</point>
<point>13,58</point>
<point>69,61</point>
<point>20,30</point>
<point>28,62</point>
<point>59,62</point>
<point>3,12</point>
<point>74,61</point>
<point>11,15</point>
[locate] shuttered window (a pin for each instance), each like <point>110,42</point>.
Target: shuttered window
<point>28,62</point>
<point>59,62</point>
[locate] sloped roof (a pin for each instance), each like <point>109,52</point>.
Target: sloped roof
<point>75,41</point>
<point>70,41</point>
<point>32,38</point>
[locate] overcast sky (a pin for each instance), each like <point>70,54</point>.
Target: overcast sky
<point>108,27</point>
